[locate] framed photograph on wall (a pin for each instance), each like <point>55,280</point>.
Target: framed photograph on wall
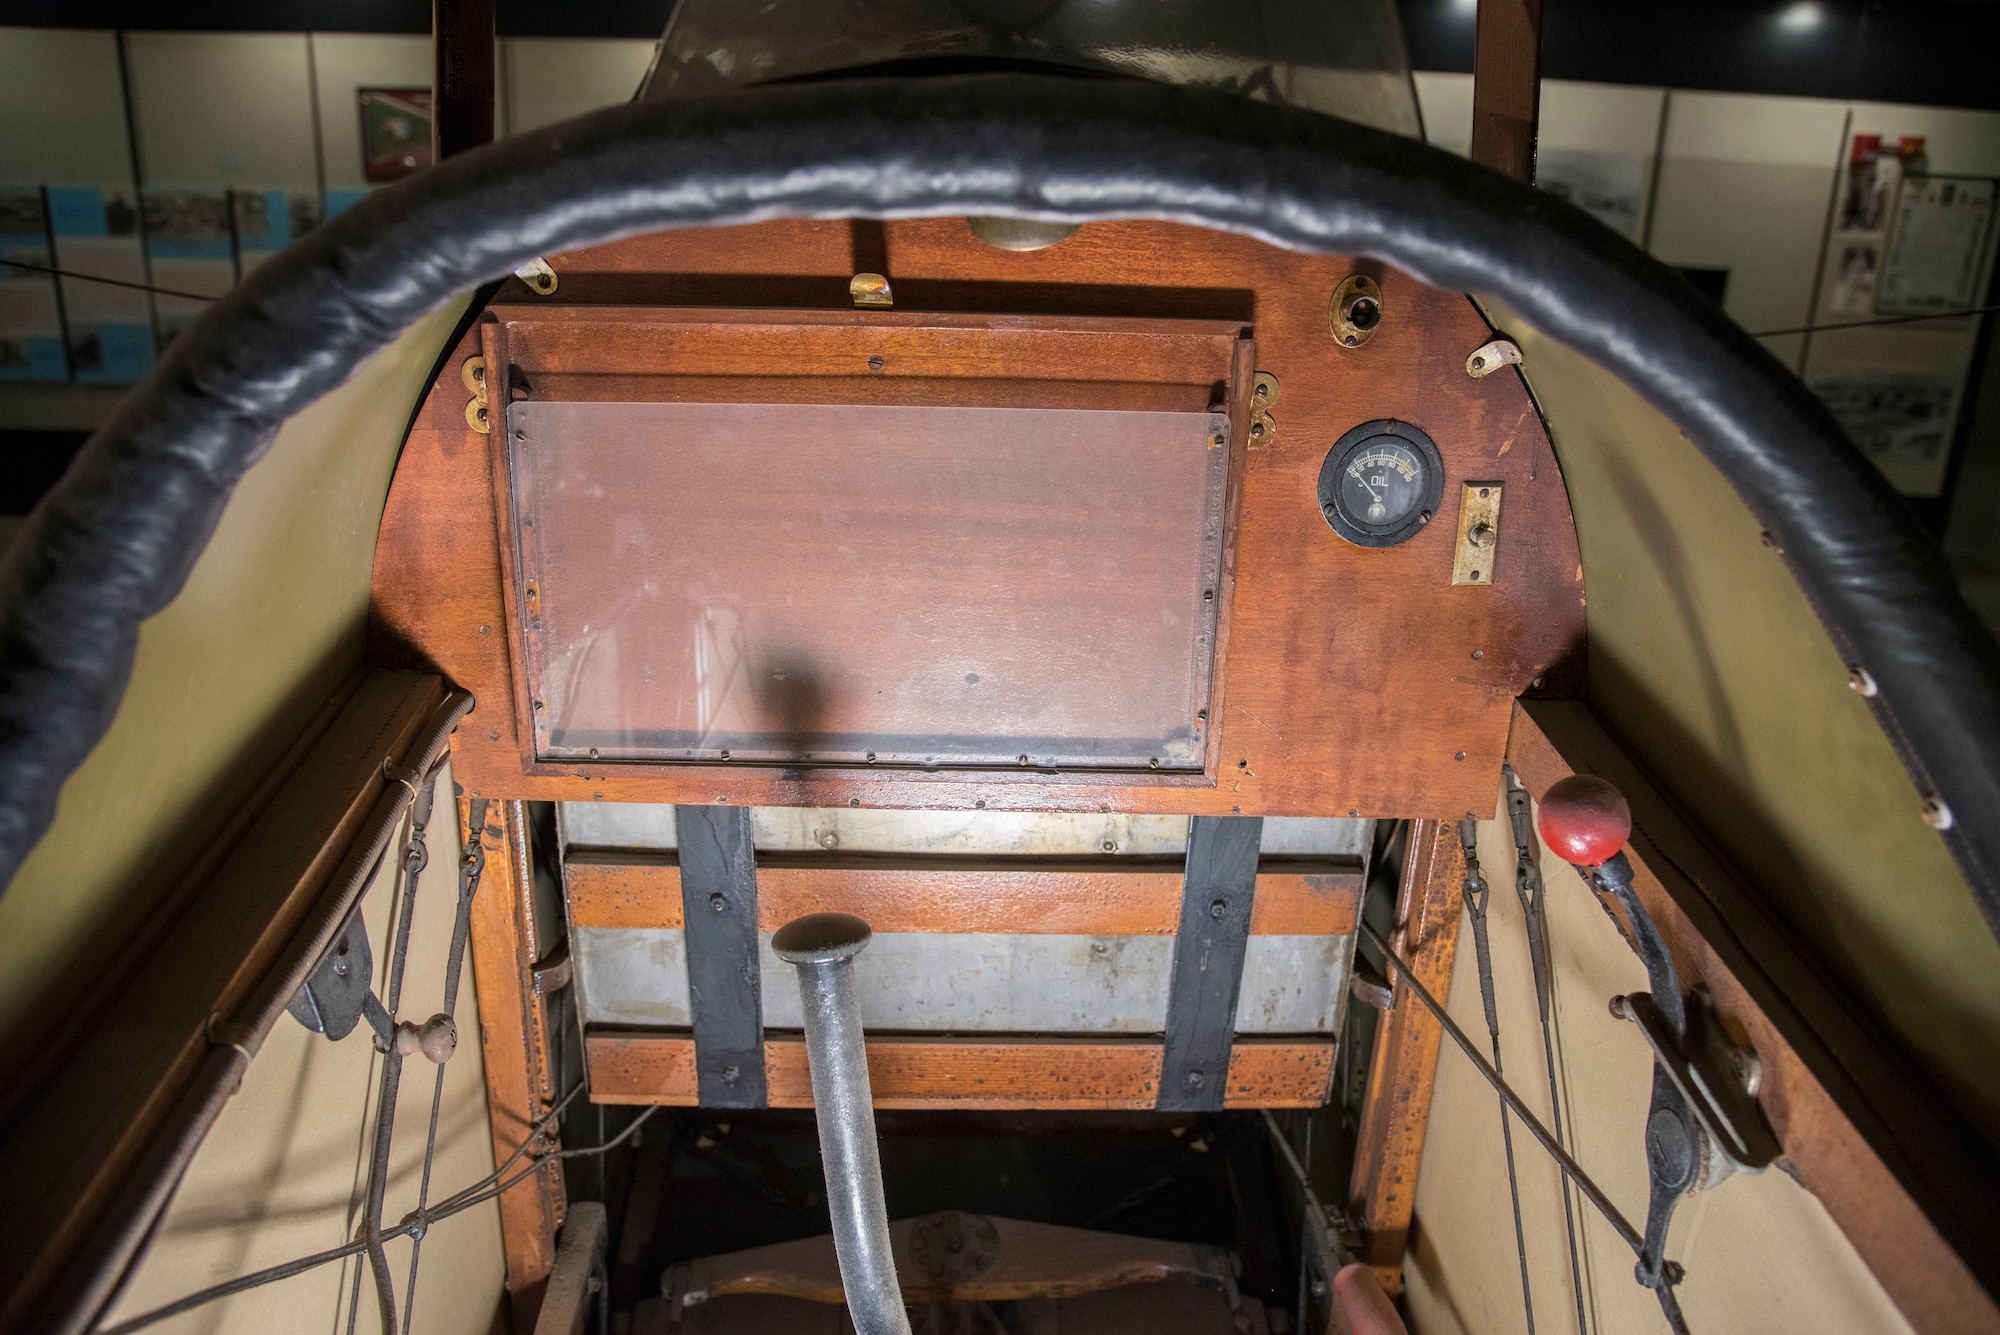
<point>395,132</point>
<point>1941,231</point>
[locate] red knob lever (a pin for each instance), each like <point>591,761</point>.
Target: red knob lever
<point>1584,820</point>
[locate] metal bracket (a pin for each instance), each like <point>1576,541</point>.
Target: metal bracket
<point>1487,358</point>
<point>1681,1151</point>
<point>537,274</point>
<point>1717,1079</point>
<point>477,414</point>
<point>725,991</point>
<point>870,291</point>
<point>1216,896</point>
<point>333,999</point>
<point>1478,533</point>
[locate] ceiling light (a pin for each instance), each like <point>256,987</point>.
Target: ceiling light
<point>1802,17</point>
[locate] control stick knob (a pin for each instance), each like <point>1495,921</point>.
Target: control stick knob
<point>1584,820</point>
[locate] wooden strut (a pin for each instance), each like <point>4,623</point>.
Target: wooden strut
<point>462,52</point>
<point>1395,1110</point>
<point>513,1027</point>
<point>1506,86</point>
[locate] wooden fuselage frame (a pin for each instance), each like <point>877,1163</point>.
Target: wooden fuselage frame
<point>1350,680</point>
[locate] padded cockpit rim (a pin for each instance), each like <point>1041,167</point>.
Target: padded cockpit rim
<point>115,540</point>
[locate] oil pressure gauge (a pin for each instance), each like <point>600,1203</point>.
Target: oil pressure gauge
<point>1381,483</point>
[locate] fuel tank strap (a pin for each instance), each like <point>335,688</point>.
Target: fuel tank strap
<point>725,987</point>
<point>1216,898</point>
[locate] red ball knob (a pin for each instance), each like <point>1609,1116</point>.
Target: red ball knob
<point>1584,820</point>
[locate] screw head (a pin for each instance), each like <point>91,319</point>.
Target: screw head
<point>718,902</point>
<point>1218,908</point>
<point>1193,1081</point>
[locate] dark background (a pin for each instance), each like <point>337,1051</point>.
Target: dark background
<point>1929,52</point>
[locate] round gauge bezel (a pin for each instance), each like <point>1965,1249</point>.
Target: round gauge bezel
<point>1333,507</point>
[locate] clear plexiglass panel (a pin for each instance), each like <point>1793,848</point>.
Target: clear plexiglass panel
<point>841,584</point>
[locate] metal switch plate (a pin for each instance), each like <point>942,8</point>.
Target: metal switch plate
<point>1478,533</point>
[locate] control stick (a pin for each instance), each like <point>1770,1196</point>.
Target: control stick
<point>822,946</point>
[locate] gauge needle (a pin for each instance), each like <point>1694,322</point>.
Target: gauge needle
<point>1373,494</point>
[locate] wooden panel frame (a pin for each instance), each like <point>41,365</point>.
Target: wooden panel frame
<point>1396,1106</point>
<point>723,355</point>
<point>514,1037</point>
<point>1316,626</point>
<point>1019,1073</point>
<point>632,890</point>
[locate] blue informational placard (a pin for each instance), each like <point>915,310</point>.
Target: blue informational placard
<point>77,210</point>
<point>339,201</point>
<point>32,359</point>
<point>111,354</point>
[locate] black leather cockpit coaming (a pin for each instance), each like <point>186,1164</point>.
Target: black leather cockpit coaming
<point>113,543</point>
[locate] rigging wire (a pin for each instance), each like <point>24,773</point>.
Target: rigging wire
<point>494,1184</point>
<point>416,855</point>
<point>109,282</point>
<point>1528,888</point>
<point>1870,324</point>
<point>1570,1167</point>
<point>472,864</point>
<point>418,1222</point>
<point>1477,893</point>
<point>1591,1191</point>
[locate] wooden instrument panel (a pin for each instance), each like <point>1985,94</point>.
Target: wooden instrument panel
<point>1347,680</point>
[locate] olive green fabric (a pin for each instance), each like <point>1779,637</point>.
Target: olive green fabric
<point>1706,658</point>
<point>269,624</point>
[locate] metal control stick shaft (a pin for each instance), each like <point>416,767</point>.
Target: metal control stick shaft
<point>823,947</point>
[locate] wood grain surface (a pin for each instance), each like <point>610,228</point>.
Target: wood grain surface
<point>636,890</point>
<point>1355,681</point>
<point>513,1033</point>
<point>1020,1073</point>
<point>1396,1106</point>
<point>1027,1261</point>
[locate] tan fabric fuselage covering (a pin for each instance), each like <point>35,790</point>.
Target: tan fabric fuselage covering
<point>1762,1255</point>
<point>1707,661</point>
